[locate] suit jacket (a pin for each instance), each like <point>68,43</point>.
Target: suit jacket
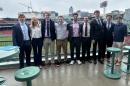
<point>70,30</point>
<point>82,30</point>
<point>52,29</point>
<point>109,31</point>
<point>18,38</point>
<point>97,31</point>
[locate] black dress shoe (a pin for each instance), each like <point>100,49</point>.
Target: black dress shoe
<point>58,64</point>
<point>89,61</point>
<point>83,61</point>
<point>108,60</point>
<point>95,62</point>
<point>101,61</point>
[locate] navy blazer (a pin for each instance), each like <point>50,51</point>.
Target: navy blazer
<point>97,31</point>
<point>52,29</point>
<point>18,38</point>
<point>109,31</point>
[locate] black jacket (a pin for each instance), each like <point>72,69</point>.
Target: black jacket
<point>109,32</point>
<point>97,31</point>
<point>52,29</point>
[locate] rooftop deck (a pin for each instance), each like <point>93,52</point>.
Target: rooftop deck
<point>66,75</point>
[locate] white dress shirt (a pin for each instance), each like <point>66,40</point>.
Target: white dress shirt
<point>88,30</point>
<point>24,29</point>
<point>99,21</point>
<point>108,25</point>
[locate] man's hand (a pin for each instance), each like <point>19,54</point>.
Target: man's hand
<point>125,39</point>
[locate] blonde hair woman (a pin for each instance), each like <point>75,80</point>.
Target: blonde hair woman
<point>36,41</point>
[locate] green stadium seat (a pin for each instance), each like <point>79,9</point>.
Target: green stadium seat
<point>110,71</point>
<point>27,74</point>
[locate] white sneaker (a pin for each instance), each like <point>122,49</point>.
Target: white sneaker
<point>72,62</point>
<point>79,62</point>
<point>52,60</point>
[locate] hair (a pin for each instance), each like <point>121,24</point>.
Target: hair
<point>75,14</point>
<point>32,22</point>
<point>86,17</point>
<point>19,15</point>
<point>119,17</point>
<point>96,11</point>
<point>47,13</point>
<point>109,15</point>
<point>60,17</point>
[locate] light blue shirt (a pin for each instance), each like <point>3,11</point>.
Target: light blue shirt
<point>24,31</point>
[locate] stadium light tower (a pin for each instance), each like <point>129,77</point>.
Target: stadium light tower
<point>104,5</point>
<point>1,9</point>
<point>29,7</point>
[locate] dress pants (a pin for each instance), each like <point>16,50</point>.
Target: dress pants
<point>61,44</point>
<point>37,50</point>
<point>75,44</point>
<point>101,49</point>
<point>25,51</point>
<point>49,45</point>
<point>86,45</point>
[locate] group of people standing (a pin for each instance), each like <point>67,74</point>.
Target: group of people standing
<point>46,33</point>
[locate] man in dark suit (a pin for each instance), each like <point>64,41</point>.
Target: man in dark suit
<point>21,38</point>
<point>109,34</point>
<point>86,40</point>
<point>74,29</point>
<point>49,36</point>
<point>98,37</point>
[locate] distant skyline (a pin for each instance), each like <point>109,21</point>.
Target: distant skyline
<point>12,7</point>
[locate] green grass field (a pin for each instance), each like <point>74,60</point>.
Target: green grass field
<point>6,38</point>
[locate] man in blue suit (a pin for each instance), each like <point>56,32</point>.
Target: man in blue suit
<point>109,34</point>
<point>21,38</point>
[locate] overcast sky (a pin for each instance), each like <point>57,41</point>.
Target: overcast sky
<point>12,7</point>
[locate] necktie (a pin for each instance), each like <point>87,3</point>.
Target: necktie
<point>108,25</point>
<point>86,30</point>
<point>48,28</point>
<point>99,22</point>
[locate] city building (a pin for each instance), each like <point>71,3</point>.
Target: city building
<point>127,18</point>
<point>116,13</point>
<point>29,15</point>
<point>71,11</point>
<point>53,14</point>
<point>39,15</point>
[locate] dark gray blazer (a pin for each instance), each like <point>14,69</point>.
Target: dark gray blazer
<point>97,31</point>
<point>18,35</point>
